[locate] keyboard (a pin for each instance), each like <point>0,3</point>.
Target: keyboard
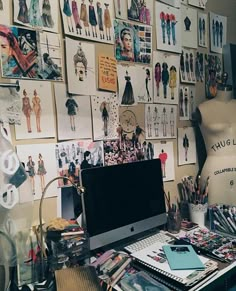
<point>147,241</point>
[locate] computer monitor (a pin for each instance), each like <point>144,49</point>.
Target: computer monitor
<point>123,200</point>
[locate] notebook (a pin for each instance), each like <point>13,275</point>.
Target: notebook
<point>154,258</point>
<point>182,257</point>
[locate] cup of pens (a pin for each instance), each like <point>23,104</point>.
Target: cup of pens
<point>173,221</point>
<point>197,212</point>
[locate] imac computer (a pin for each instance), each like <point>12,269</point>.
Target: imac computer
<point>122,200</point>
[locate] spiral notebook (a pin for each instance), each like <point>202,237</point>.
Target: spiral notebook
<point>154,258</point>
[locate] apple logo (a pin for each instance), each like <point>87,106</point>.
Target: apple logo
<point>132,229</point>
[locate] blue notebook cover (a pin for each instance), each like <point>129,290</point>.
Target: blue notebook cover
<point>182,257</point>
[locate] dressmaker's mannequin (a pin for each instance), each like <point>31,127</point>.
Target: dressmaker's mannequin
<point>217,122</point>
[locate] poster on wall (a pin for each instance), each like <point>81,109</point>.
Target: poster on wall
<point>88,19</point>
<point>213,74</point>
<point>198,3</point>
<point>166,77</point>
<point>40,165</point>
<point>80,66</point>
<point>218,32</point>
<point>73,156</point>
<point>165,152</point>
<point>38,14</point>
<point>105,116</point>
<point>107,73</point>
<point>186,146</point>
<point>168,28</point>
<point>37,111</point>
<point>73,112</point>
<point>5,12</point>
<point>133,42</point>
<point>187,66</point>
<point>121,9</point>
<point>141,12</point>
<point>30,54</point>
<point>202,29</point>
<point>160,121</point>
<point>187,102</point>
<point>189,27</point>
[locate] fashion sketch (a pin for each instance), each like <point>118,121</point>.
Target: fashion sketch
<point>163,156</point>
<point>218,28</point>
<point>143,84</point>
<point>31,170</point>
<point>157,73</point>
<point>189,27</point>
<point>100,20</point>
<point>92,18</point>
<point>186,146</point>
<point>107,21</point>
<point>23,15</point>
<point>41,171</point>
<point>47,14</point>
<point>128,95</point>
<point>36,102</point>
<point>156,121</point>
<point>84,18</point>
<point>173,80</point>
<point>149,121</point>
<point>140,11</point>
<point>202,29</point>
<point>165,78</point>
<point>34,14</point>
<point>184,102</point>
<point>172,122</point>
<point>80,59</point>
<point>72,109</point>
<point>68,15</point>
<point>104,108</point>
<point>27,110</point>
<point>188,66</point>
<point>164,122</point>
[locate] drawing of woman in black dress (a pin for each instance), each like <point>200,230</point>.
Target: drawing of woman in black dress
<point>72,108</point>
<point>105,116</point>
<point>92,18</point>
<point>128,95</point>
<point>23,15</point>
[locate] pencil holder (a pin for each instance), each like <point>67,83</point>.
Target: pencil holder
<point>198,213</point>
<point>173,221</point>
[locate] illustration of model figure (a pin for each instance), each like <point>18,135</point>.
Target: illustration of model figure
<point>144,14</point>
<point>217,32</point>
<point>163,157</point>
<point>186,146</point>
<point>163,26</point>
<point>164,121</point>
<point>105,117</point>
<point>133,11</point>
<point>187,66</point>
<point>150,151</point>
<point>23,14</point>
<point>165,78</point>
<point>214,32</point>
<point>168,27</point>
<point>34,14</point>
<point>172,122</point>
<point>80,57</point>
<point>182,66</point>
<point>84,17</point>
<point>158,77</point>
<point>173,24</point>
<point>149,122</point>
<point>200,30</point>
<point>173,81</point>
<point>204,31</point>
<point>181,102</point>
<point>191,105</point>
<point>156,119</point>
<point>92,18</point>
<point>68,13</point>
<point>191,65</point>
<point>27,109</point>
<point>147,81</point>
<point>100,20</point>
<point>107,22</point>
<point>46,14</point>
<point>186,102</point>
<point>37,109</point>
<point>41,171</point>
<point>128,95</point>
<point>221,34</point>
<point>76,17</point>
<point>72,109</point>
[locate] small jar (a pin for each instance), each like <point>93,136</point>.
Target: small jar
<point>173,221</point>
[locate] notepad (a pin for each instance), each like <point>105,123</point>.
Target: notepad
<point>182,257</point>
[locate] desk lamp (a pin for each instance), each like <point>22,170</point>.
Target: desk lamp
<point>80,191</point>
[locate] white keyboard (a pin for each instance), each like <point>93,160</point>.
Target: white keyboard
<point>143,243</point>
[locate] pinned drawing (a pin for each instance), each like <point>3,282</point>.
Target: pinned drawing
<point>141,11</point>
<point>187,102</point>
<point>187,66</point>
<point>202,29</point>
<point>186,146</point>
<point>218,32</point>
<point>189,27</point>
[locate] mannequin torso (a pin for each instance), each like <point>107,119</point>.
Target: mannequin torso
<point>218,128</point>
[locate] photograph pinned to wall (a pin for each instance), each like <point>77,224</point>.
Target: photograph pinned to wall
<point>202,29</point>
<point>166,77</point>
<point>39,14</point>
<point>37,111</point>
<point>107,73</point>
<point>40,164</point>
<point>187,102</point>
<point>75,155</point>
<point>88,19</point>
<point>133,42</point>
<point>105,116</point>
<point>174,3</point>
<point>168,28</point>
<point>218,32</point>
<point>187,66</point>
<point>189,27</point>
<point>141,11</point>
<point>160,121</point>
<point>73,112</point>
<point>30,54</point>
<point>121,9</point>
<point>165,152</point>
<point>80,67</point>
<point>5,11</point>
<point>213,74</point>
<point>198,3</point>
<point>199,67</point>
<point>187,153</point>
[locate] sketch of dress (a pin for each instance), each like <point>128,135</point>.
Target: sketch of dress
<point>100,20</point>
<point>76,16</point>
<point>71,106</point>
<point>133,11</point>
<point>164,122</point>
<point>37,109</point>
<point>84,17</point>
<point>34,14</point>
<point>186,146</point>
<point>158,77</point>
<point>173,81</point>
<point>92,18</point>
<point>46,14</point>
<point>172,122</point>
<point>128,95</point>
<point>107,22</point>
<point>23,14</point>
<point>163,157</point>
<point>149,122</point>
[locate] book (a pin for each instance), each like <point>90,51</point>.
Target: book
<point>155,259</point>
<point>182,257</point>
<point>188,225</point>
<point>141,281</point>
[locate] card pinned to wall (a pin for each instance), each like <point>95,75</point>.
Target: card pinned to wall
<point>186,146</point>
<point>107,73</point>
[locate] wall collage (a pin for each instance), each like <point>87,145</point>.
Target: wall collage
<point>98,124</point>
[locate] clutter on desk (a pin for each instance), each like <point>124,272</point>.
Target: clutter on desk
<point>67,242</point>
